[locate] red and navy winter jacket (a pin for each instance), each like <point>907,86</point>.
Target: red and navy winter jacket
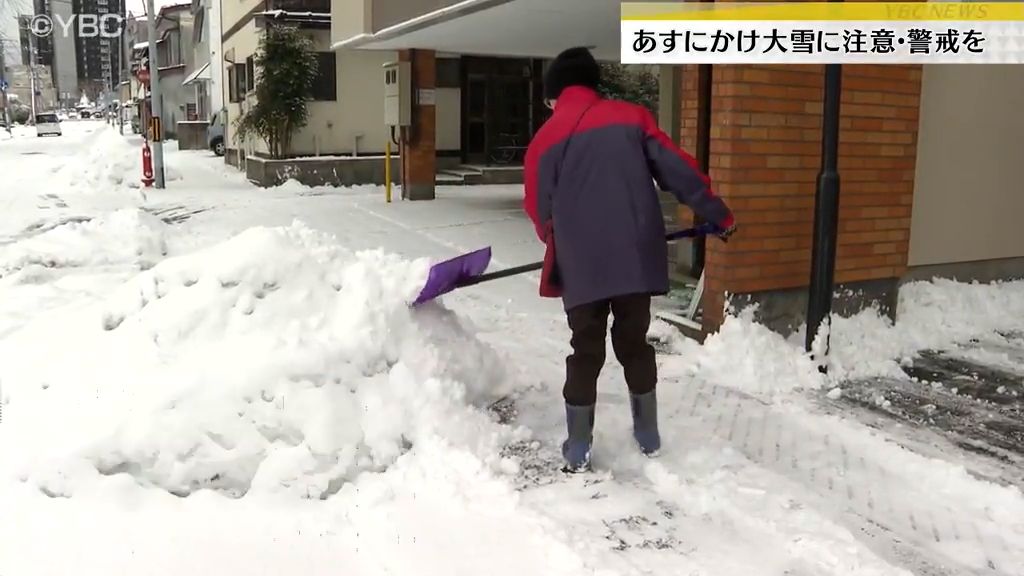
<point>597,208</point>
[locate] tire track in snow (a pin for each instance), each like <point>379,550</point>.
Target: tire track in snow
<point>850,478</point>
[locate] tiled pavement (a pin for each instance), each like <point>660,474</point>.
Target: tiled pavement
<point>863,482</point>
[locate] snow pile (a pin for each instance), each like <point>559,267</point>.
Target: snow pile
<point>748,356</point>
<point>934,313</point>
<point>931,315</point>
<point>111,163</point>
<point>17,131</point>
<point>275,361</point>
<point>127,236</point>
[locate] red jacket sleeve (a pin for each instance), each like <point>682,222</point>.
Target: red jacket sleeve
<point>530,184</point>
<point>677,172</point>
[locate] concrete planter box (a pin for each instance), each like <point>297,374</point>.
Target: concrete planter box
<point>321,170</point>
<point>192,135</point>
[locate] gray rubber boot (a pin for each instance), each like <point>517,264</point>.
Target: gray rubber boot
<point>645,422</point>
<point>579,424</point>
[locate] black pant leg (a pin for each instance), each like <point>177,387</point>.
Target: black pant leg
<point>632,319</point>
<point>589,325</point>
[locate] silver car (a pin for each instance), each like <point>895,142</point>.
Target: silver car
<point>215,133</point>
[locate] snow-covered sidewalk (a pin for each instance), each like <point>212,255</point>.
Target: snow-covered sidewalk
<point>220,379</point>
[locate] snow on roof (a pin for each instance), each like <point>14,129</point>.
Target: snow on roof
<point>174,7</point>
<point>140,46</point>
<point>279,12</point>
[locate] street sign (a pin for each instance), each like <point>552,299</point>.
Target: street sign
<point>155,129</point>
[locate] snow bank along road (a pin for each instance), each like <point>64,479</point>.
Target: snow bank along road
<point>218,379</point>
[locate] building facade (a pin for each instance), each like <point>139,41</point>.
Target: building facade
<point>20,87</point>
<point>174,30</point>
<point>36,50</point>
<point>175,56</point>
<point>55,52</point>
<point>345,116</point>
<point>98,56</point>
<point>929,156</point>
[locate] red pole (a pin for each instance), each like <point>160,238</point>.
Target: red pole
<point>147,164</point>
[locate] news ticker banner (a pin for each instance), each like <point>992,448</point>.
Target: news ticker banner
<point>823,33</point>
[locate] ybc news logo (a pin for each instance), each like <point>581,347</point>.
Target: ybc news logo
<point>83,25</point>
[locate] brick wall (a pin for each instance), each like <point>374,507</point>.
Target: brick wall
<point>688,125</point>
<point>765,154</point>
<point>688,101</point>
<point>419,156</point>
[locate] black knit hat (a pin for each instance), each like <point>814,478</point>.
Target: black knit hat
<point>573,67</point>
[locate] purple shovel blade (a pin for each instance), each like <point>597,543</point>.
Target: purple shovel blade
<point>450,274</point>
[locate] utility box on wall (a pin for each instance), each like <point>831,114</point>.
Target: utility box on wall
<point>397,94</point>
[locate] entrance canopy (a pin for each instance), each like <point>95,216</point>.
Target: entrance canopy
<point>518,28</point>
<point>200,75</point>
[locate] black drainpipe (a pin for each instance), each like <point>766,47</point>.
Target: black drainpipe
<point>826,216</point>
<point>704,85</point>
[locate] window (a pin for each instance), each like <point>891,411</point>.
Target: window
<point>314,6</point>
<point>448,70</point>
<point>238,79</point>
<point>325,85</point>
<point>199,27</point>
<point>250,75</point>
<point>202,99</point>
<point>169,49</point>
<point>174,48</point>
<point>233,94</point>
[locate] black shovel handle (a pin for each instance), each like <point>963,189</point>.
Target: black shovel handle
<point>706,228</point>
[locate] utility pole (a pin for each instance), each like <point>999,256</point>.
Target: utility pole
<point>3,85</point>
<point>124,75</point>
<point>32,73</point>
<point>156,101</point>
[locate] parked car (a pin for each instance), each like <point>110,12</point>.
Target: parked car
<point>47,124</point>
<point>215,133</point>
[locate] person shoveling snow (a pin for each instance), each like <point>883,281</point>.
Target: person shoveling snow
<point>590,174</point>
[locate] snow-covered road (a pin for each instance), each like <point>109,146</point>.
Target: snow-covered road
<point>221,379</point>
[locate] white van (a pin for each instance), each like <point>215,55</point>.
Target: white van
<point>47,125</point>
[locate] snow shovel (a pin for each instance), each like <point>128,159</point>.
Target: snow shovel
<point>468,269</point>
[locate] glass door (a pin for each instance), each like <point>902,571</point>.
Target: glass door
<point>510,120</point>
<point>475,130</point>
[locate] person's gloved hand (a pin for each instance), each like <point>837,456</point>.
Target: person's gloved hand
<point>725,234</point>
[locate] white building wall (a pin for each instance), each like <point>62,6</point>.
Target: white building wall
<point>968,197</point>
<point>214,28</point>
